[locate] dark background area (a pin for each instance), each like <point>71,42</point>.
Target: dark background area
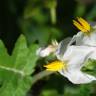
<point>12,10</point>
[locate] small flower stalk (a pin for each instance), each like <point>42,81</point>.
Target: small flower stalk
<point>71,58</point>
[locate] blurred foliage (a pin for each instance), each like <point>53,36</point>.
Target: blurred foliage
<point>16,70</point>
<point>35,22</point>
<point>40,21</point>
<point>90,67</point>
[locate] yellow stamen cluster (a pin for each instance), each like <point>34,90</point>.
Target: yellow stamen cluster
<point>82,25</point>
<point>55,66</point>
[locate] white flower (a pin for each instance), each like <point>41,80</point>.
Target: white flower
<point>52,48</point>
<point>87,35</point>
<point>75,57</point>
<point>71,62</point>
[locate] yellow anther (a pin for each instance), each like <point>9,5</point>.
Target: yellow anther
<point>82,25</point>
<point>55,66</point>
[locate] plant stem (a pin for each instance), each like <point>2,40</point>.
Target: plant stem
<point>40,76</point>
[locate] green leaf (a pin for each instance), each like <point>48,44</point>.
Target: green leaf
<point>31,60</point>
<point>90,67</point>
<point>16,70</point>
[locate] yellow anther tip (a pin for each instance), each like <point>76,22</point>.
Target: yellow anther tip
<point>82,24</point>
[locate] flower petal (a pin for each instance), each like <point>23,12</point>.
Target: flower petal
<point>76,56</point>
<point>89,40</point>
<point>43,52</point>
<point>93,55</point>
<point>62,47</point>
<point>77,39</point>
<point>78,77</point>
<point>82,39</point>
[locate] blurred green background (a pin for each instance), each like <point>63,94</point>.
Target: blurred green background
<point>41,21</point>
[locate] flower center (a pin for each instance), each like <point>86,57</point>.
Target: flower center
<point>55,66</point>
<point>82,25</point>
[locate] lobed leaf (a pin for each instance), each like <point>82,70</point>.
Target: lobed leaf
<point>16,70</point>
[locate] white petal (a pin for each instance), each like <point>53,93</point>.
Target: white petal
<point>62,47</point>
<point>39,52</point>
<point>73,40</point>
<point>93,55</point>
<point>76,56</point>
<point>43,52</point>
<point>79,38</point>
<point>78,77</point>
<point>89,40</point>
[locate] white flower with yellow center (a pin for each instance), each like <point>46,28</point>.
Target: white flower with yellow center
<point>87,34</point>
<point>71,62</point>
